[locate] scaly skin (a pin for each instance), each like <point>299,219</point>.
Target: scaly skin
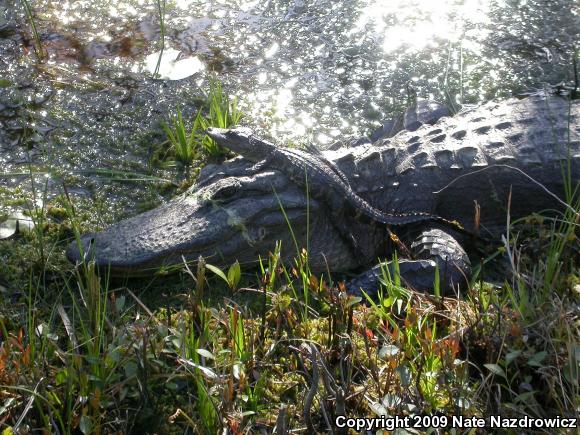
<point>326,183</point>
<point>440,169</point>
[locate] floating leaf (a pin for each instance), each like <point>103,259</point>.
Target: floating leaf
<point>172,66</point>
<point>8,228</point>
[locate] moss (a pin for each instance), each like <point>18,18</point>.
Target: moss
<point>59,213</point>
<point>16,202</point>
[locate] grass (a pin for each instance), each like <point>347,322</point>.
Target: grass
<point>38,49</point>
<point>184,143</point>
<point>161,12</point>
<point>78,355</point>
<point>218,110</point>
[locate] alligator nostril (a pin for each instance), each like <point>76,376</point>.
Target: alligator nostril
<point>261,233</point>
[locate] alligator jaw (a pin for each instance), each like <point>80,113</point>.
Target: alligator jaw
<point>157,238</point>
<point>231,218</point>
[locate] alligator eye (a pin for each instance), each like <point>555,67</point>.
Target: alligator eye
<point>225,192</point>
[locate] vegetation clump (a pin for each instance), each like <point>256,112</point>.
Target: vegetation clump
<point>82,353</point>
<point>218,110</point>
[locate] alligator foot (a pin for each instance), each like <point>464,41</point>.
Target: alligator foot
<point>434,249</point>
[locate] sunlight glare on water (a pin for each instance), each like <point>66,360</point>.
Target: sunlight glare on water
<point>304,70</point>
<point>419,23</point>
<point>343,63</point>
<point>414,26</point>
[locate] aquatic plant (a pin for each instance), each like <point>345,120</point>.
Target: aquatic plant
<point>184,142</point>
<point>161,12</point>
<point>37,42</point>
<point>222,112</point>
<point>218,110</point>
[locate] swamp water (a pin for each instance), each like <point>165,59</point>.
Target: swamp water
<point>88,115</point>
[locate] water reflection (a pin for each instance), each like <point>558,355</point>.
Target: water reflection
<point>326,58</point>
<point>314,70</point>
<point>418,24</point>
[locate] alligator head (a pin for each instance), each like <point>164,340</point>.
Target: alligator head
<point>230,214</point>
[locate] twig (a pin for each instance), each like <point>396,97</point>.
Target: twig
<point>280,428</point>
<point>142,305</point>
<point>16,428</point>
<point>309,399</point>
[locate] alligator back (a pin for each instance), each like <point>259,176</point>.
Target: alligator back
<point>474,158</point>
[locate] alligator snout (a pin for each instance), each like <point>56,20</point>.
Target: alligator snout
<point>236,216</point>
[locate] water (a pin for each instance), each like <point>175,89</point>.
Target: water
<point>304,70</point>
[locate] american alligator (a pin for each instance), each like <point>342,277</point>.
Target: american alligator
<point>325,180</point>
<point>462,168</point>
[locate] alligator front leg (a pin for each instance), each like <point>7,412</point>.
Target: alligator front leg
<point>433,248</point>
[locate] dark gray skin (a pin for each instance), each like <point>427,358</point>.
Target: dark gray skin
<point>232,214</point>
<point>327,182</point>
<point>324,181</point>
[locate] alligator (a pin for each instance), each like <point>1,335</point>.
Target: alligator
<point>302,167</point>
<point>472,168</point>
<point>325,180</point>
